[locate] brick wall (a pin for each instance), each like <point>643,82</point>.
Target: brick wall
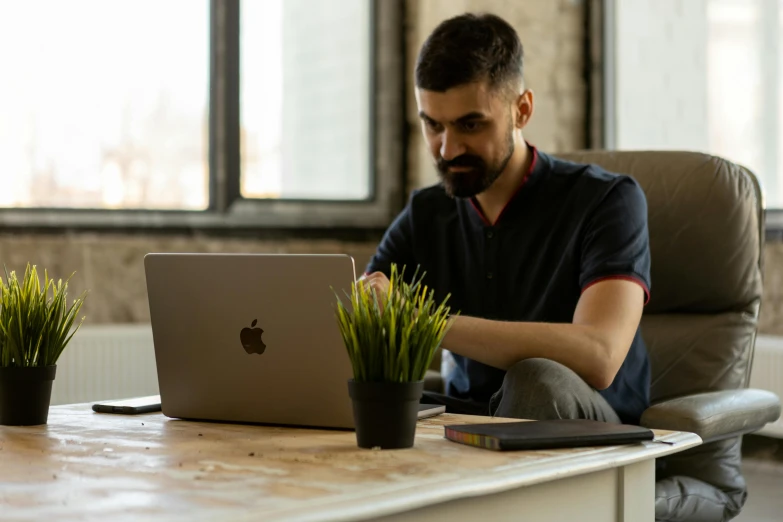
<point>111,266</point>
<point>772,305</point>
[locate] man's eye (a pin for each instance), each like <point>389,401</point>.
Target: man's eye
<point>433,125</point>
<point>471,126</point>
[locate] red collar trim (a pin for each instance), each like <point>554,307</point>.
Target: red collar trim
<point>480,212</point>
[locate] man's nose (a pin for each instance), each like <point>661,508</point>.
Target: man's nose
<point>450,147</point>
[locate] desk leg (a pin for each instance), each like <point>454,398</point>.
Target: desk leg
<point>636,492</point>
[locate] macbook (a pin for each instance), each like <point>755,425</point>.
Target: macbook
<point>252,337</point>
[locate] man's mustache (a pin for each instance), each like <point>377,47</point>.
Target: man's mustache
<point>464,160</point>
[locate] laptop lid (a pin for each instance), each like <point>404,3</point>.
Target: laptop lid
<point>250,337</point>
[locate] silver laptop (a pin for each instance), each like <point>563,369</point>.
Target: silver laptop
<point>252,337</point>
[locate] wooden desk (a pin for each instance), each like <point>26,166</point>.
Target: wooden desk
<point>91,466</point>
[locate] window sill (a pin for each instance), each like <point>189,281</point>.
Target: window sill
<point>268,224</point>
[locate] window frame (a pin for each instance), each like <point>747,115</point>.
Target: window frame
<point>227,209</point>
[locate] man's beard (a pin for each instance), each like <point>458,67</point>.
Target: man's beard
<point>480,177</point>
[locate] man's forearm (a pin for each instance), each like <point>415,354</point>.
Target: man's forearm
<point>581,348</point>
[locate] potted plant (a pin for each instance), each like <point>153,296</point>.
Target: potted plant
<point>391,340</point>
<point>35,327</point>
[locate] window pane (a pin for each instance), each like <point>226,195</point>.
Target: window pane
<point>305,84</point>
<point>736,108</point>
<point>104,104</point>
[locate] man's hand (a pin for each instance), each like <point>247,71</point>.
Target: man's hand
<point>378,282</point>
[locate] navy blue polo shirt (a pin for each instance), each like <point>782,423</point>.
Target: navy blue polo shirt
<point>568,226</point>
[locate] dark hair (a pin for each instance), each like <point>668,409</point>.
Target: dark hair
<point>470,48</point>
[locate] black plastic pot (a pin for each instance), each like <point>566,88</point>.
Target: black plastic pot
<point>385,413</point>
<point>25,394</point>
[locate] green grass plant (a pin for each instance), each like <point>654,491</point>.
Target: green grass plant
<point>392,337</point>
<point>36,322</point>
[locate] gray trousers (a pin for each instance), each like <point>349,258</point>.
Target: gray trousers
<point>536,389</point>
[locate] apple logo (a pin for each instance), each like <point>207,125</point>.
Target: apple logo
<point>251,339</point>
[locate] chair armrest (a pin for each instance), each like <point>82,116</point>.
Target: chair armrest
<point>715,415</point>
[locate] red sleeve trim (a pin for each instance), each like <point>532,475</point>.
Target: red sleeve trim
<point>632,279</point>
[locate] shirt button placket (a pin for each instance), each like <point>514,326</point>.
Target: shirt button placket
<point>490,259</point>
<point>490,253</point>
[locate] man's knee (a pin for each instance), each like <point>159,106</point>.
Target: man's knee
<point>543,376</point>
<point>541,389</point>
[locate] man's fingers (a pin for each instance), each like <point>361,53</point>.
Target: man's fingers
<point>370,283</point>
<point>377,282</point>
<point>378,288</point>
<point>376,285</point>
<point>377,279</point>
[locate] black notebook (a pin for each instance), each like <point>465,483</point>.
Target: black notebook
<point>561,433</point>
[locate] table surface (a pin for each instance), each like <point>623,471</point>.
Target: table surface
<point>86,465</point>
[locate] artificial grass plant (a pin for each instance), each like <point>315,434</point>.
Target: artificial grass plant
<point>35,322</point>
<point>392,338</point>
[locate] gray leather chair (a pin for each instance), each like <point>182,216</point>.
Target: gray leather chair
<point>706,222</point>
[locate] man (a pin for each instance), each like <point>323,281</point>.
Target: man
<point>547,261</point>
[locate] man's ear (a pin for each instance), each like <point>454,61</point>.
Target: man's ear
<point>524,108</point>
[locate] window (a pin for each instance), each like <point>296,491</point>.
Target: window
<point>199,113</point>
<point>702,75</point>
<point>100,107</point>
<point>305,108</point>
<point>745,87</point>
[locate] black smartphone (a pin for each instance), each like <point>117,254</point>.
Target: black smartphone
<point>132,406</point>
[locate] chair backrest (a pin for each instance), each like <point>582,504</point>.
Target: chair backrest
<point>706,219</point>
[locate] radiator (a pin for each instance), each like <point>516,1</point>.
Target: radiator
<point>106,362</point>
<point>767,374</point>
